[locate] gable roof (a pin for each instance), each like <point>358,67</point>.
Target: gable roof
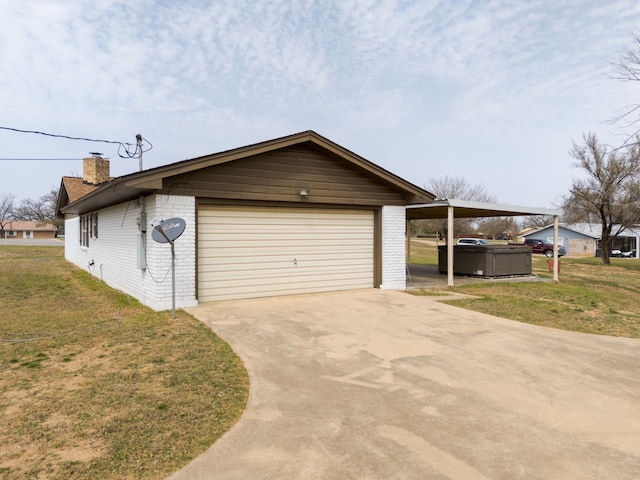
<point>77,188</point>
<point>131,186</point>
<point>561,227</point>
<point>30,225</point>
<point>73,189</point>
<point>595,230</point>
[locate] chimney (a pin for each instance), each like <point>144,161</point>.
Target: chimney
<point>95,169</point>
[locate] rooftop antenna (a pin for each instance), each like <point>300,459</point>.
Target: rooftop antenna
<point>139,149</point>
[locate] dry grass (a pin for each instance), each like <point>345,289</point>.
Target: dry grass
<point>589,298</point>
<point>94,385</point>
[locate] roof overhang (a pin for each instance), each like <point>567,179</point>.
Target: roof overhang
<point>470,209</point>
<point>147,182</point>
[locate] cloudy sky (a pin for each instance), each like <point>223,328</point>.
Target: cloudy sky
<point>494,91</point>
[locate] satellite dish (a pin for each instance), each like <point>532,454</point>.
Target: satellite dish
<point>168,230</point>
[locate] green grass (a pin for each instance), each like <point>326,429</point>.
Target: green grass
<point>589,297</point>
<point>424,252</point>
<point>95,386</point>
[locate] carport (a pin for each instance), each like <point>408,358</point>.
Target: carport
<point>452,208</point>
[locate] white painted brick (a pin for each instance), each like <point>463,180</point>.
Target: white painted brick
<point>394,273</point>
<point>115,253</point>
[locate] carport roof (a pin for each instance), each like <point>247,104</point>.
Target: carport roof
<point>470,209</point>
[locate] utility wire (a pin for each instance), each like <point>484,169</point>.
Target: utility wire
<point>130,150</point>
<point>38,159</point>
<point>61,136</point>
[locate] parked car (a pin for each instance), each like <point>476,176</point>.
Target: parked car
<point>621,254</point>
<point>472,241</point>
<point>540,246</point>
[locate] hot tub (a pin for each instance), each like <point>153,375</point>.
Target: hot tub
<point>487,260</point>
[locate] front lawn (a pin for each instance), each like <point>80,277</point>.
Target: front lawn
<point>96,386</point>
<point>589,297</point>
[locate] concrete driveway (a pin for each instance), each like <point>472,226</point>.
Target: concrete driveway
<point>375,384</point>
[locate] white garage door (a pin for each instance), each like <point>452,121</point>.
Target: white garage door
<point>259,252</point>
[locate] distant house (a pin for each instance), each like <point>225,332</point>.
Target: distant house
<point>583,239</point>
<point>297,214</point>
<point>27,229</point>
<point>627,241</point>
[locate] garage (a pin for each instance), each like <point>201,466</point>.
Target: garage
<point>292,215</point>
<point>249,252</point>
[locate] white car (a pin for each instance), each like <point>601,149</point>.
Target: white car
<point>472,241</point>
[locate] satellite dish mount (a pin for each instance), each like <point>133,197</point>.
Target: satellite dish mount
<point>168,231</point>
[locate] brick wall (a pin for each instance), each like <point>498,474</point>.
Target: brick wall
<point>95,170</point>
<point>72,250</point>
<point>116,255</point>
<point>157,275</point>
<point>394,273</point>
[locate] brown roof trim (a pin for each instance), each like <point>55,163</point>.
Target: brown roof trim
<point>130,186</point>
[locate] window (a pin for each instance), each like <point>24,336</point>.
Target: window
<point>88,228</point>
<point>11,233</point>
<point>93,227</point>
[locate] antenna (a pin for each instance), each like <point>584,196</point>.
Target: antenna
<point>139,148</point>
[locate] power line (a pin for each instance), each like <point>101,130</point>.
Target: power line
<point>130,150</point>
<point>38,159</point>
<point>62,136</point>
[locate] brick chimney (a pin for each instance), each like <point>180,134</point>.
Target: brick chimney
<point>95,170</point>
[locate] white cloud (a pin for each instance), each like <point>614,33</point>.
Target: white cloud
<point>416,86</point>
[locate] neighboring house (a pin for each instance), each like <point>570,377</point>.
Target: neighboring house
<point>627,241</point>
<point>576,243</point>
<point>297,214</point>
<point>28,229</point>
<point>583,239</point>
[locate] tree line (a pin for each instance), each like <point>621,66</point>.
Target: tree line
<point>608,194</point>
<point>41,210</point>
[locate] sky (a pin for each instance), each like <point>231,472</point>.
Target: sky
<point>494,91</point>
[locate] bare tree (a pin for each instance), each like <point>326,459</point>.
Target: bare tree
<point>609,194</point>
<point>537,221</point>
<point>458,188</point>
<point>6,211</point>
<point>500,228</point>
<point>453,188</point>
<point>628,70</point>
<point>42,210</point>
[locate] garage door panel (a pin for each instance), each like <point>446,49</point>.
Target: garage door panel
<point>291,233</point>
<point>253,244</point>
<point>250,252</point>
<point>238,290</point>
<point>275,272</point>
<point>239,252</point>
<point>278,279</point>
<point>225,265</point>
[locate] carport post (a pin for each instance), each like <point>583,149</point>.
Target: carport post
<point>555,248</point>
<point>450,246</point>
<point>408,236</point>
